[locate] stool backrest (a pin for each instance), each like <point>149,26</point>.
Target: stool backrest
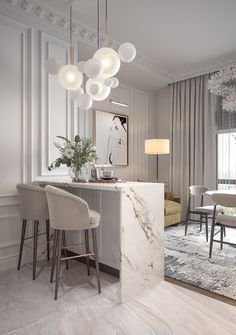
<point>197,190</point>
<point>33,202</point>
<point>224,199</point>
<point>67,211</point>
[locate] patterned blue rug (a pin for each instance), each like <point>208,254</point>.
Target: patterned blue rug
<point>186,259</point>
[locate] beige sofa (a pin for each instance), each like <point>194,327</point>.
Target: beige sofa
<point>172,209</point>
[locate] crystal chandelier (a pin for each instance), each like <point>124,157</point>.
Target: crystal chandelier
<point>99,71</point>
<point>223,83</point>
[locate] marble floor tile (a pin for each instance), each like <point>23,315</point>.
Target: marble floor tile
<point>27,307</point>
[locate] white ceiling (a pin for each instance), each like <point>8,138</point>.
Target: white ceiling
<point>181,37</point>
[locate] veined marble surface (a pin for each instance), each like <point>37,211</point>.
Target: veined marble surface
<point>138,211</point>
<point>66,181</point>
<point>142,238</point>
<point>27,307</point>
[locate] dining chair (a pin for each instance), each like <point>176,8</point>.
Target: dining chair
<point>33,207</point>
<point>69,212</point>
<point>227,200</point>
<point>196,192</point>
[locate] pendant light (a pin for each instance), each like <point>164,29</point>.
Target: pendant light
<point>108,57</point>
<point>99,70</point>
<point>68,75</point>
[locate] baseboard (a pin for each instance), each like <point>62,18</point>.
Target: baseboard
<point>102,267</point>
<point>10,261</point>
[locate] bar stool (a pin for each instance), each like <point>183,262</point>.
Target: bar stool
<point>34,207</point>
<point>69,212</point>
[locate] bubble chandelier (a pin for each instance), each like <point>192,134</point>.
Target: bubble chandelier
<point>96,74</point>
<point>223,83</point>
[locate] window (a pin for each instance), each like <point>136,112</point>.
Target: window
<point>226,160</point>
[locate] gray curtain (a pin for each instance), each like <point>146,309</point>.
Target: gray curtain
<point>193,137</point>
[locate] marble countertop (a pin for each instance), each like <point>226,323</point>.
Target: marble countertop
<point>66,181</point>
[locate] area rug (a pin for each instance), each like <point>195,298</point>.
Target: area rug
<point>186,259</point>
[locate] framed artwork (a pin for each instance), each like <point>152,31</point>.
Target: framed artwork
<point>111,137</point>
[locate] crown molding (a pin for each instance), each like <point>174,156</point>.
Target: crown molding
<point>82,32</point>
<point>214,66</point>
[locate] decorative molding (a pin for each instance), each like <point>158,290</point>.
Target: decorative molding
<point>82,32</point>
<point>9,200</point>
<point>27,104</point>
<point>9,217</point>
<point>46,43</point>
<point>216,66</point>
<point>9,244</point>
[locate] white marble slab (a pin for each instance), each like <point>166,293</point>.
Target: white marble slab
<point>142,238</point>
<point>139,242</point>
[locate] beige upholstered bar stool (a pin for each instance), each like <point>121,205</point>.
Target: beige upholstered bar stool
<point>33,207</point>
<point>70,212</point>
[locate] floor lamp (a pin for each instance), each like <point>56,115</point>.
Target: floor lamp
<point>157,146</point>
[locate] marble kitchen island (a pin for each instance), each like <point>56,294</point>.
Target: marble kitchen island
<point>131,233</point>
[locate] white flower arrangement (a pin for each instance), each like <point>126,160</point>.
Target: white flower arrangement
<point>74,154</point>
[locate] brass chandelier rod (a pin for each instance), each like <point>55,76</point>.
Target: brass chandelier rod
<point>71,49</point>
<point>98,24</point>
<point>106,24</point>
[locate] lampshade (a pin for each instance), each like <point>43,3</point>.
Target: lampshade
<point>157,146</point>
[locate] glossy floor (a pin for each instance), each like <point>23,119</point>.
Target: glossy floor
<point>27,307</point>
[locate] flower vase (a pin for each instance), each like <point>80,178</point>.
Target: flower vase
<point>80,175</point>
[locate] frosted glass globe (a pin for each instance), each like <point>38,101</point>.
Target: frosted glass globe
<point>110,61</point>
<point>95,89</point>
<point>75,93</point>
<point>93,68</point>
<point>115,82</point>
<point>108,82</point>
<point>103,91</point>
<point>84,101</point>
<point>127,52</point>
<point>69,77</point>
<point>81,66</point>
<point>52,66</point>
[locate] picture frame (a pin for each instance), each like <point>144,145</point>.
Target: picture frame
<point>111,137</point>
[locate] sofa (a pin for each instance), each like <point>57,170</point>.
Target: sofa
<point>172,209</point>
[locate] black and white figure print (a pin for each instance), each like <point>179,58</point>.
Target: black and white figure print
<point>111,137</point>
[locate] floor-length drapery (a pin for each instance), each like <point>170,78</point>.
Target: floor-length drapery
<point>193,136</point>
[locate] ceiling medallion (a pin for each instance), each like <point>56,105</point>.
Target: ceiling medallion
<point>223,83</point>
<point>99,71</point>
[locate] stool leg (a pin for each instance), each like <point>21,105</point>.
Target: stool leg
<point>48,239</point>
<point>206,218</point>
<point>224,232</point>
<point>65,250</point>
<point>21,243</point>
<point>58,261</point>
<point>200,222</point>
<point>36,223</point>
<point>96,258</point>
<point>221,237</point>
<point>86,234</point>
<point>53,254</point>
